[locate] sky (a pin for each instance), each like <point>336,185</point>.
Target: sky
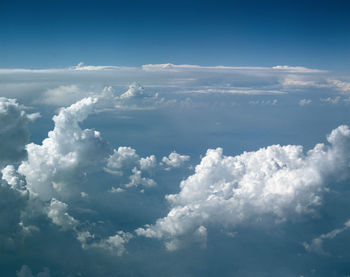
<point>174,138</point>
<point>41,34</point>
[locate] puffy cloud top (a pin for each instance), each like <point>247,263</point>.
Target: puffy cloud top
<point>124,160</point>
<point>57,212</point>
<point>175,159</point>
<point>134,91</point>
<point>124,157</point>
<point>148,163</point>
<point>65,153</point>
<point>277,180</point>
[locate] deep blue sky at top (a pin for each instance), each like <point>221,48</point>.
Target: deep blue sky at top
<point>41,34</point>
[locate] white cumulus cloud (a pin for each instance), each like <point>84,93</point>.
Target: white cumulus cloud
<point>228,190</point>
<point>126,160</point>
<point>115,243</point>
<point>175,160</point>
<point>64,154</point>
<point>13,179</point>
<point>136,179</point>
<point>122,158</point>
<point>57,212</point>
<point>148,163</point>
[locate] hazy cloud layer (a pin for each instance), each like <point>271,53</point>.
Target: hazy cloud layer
<point>162,83</point>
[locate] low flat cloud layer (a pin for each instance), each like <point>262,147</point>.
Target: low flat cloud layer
<point>64,86</point>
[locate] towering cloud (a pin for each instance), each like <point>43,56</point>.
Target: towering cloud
<point>58,163</point>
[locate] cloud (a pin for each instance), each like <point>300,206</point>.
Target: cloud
<point>300,81</point>
<point>115,242</point>
<point>280,181</point>
<point>331,100</point>
<point>12,205</point>
<point>264,102</point>
<point>293,82</point>
<point>63,156</point>
<point>135,98</point>
<point>162,83</point>
<point>57,212</point>
<point>163,67</point>
<point>186,67</point>
<point>228,90</point>
<point>79,67</point>
<point>148,163</point>
<point>136,179</point>
<point>62,96</point>
<point>25,271</point>
<point>123,158</point>
<point>69,195</point>
<point>134,91</point>
<point>342,86</point>
<point>116,190</point>
<point>14,133</point>
<point>297,69</point>
<point>84,194</point>
<point>316,245</point>
<point>304,102</point>
<point>82,67</point>
<point>126,161</point>
<point>175,160</point>
<point>13,179</point>
<point>55,170</point>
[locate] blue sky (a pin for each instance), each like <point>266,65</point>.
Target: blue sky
<point>43,34</point>
<point>174,138</point>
